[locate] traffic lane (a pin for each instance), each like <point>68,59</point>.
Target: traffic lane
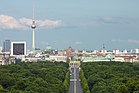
<point>78,83</point>
<point>79,87</point>
<point>72,73</point>
<point>77,73</point>
<point>71,87</point>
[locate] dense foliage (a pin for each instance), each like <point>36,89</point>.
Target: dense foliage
<point>66,82</point>
<point>112,77</point>
<point>84,82</point>
<point>40,77</point>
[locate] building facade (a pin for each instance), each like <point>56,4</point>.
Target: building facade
<point>18,48</point>
<point>6,46</point>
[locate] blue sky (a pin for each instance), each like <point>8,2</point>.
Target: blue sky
<point>82,24</point>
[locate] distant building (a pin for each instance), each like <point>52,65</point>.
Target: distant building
<point>48,48</point>
<point>116,51</point>
<point>1,58</point>
<point>95,51</point>
<point>126,58</point>
<point>69,52</point>
<point>6,46</point>
<point>62,53</point>
<point>125,51</point>
<point>103,51</point>
<point>0,49</point>
<point>18,48</point>
<point>135,51</point>
<point>57,58</point>
<point>5,59</point>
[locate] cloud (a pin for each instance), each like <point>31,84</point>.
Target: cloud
<point>41,23</point>
<point>49,23</point>
<point>117,40</point>
<point>113,20</point>
<point>78,43</point>
<point>99,21</point>
<point>134,41</point>
<point>25,21</point>
<point>9,22</point>
<point>126,41</point>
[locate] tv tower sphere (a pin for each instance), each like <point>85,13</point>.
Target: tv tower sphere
<point>33,26</point>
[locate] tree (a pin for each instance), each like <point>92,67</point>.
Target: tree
<point>1,88</point>
<point>122,89</point>
<point>84,82</point>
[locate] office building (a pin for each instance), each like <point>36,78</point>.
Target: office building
<point>18,48</point>
<point>6,46</point>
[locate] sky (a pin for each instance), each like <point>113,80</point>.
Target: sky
<point>81,24</point>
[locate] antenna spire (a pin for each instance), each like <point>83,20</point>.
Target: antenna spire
<point>103,46</point>
<point>33,13</point>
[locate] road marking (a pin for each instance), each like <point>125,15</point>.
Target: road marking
<point>74,81</point>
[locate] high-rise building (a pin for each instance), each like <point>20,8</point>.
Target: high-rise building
<point>6,46</point>
<point>18,48</point>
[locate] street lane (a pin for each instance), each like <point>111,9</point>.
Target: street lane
<point>75,85</point>
<point>71,87</point>
<point>78,84</point>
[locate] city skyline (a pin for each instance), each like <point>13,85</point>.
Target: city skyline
<point>79,24</point>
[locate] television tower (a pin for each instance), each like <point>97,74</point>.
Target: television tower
<point>33,26</point>
<point>103,46</point>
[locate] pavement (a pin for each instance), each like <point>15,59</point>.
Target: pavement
<point>75,85</point>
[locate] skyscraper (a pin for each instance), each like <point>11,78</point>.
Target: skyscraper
<point>6,46</point>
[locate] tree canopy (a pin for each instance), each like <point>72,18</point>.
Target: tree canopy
<point>111,77</point>
<point>35,77</point>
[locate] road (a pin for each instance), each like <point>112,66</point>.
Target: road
<point>75,85</point>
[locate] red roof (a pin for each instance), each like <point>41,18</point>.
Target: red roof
<point>126,57</point>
